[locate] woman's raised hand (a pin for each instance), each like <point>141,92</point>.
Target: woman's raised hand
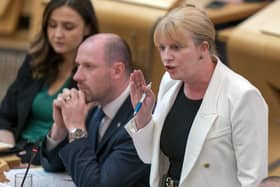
<point>138,87</point>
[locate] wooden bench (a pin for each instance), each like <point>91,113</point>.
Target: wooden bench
<point>255,55</point>
<point>9,15</point>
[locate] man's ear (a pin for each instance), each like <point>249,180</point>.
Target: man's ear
<point>118,69</point>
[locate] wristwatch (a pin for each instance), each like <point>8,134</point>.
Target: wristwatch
<point>77,133</point>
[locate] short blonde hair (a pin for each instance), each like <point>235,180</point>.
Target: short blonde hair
<point>186,18</point>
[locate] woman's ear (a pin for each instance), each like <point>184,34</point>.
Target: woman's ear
<point>204,46</point>
<point>87,30</point>
<point>202,49</point>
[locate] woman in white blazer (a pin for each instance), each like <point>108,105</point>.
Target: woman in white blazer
<point>210,125</point>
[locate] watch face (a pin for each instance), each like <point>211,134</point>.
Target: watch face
<point>79,132</point>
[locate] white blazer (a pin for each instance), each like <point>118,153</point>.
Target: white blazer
<point>228,141</point>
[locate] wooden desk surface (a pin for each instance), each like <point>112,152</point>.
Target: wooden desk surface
<point>234,12</point>
<point>12,160</point>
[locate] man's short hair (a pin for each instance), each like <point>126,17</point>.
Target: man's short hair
<point>116,49</point>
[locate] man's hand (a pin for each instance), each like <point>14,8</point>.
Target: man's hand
<point>57,115</point>
<point>58,131</point>
<point>73,109</point>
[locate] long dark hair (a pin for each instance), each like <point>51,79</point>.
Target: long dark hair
<point>45,61</point>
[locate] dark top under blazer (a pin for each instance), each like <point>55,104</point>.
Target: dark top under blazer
<point>16,105</point>
<point>111,163</point>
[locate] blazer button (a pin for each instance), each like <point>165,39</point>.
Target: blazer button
<point>206,165</point>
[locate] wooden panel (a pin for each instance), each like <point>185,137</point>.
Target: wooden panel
<point>3,167</point>
<point>233,12</point>
<point>254,54</point>
<point>4,6</point>
<point>159,4</point>
<point>12,160</point>
<point>10,17</point>
<point>35,18</point>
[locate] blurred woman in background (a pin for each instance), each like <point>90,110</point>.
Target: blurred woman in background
<point>26,110</point>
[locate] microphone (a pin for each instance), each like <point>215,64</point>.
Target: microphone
<point>34,152</point>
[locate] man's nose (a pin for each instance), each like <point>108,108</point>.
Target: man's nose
<point>78,75</point>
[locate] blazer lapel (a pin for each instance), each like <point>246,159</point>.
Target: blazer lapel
<point>197,136</point>
<point>121,118</point>
<point>166,103</point>
<point>24,105</point>
<point>203,122</point>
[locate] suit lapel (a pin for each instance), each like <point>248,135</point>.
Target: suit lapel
<point>203,122</point>
<point>121,118</point>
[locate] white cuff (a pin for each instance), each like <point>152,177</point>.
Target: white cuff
<point>51,143</point>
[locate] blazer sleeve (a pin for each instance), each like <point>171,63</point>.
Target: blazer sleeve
<point>250,138</point>
<point>121,167</point>
<point>8,108</point>
<point>50,160</point>
<point>142,139</point>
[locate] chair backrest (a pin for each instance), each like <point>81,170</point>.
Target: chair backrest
<point>10,62</point>
<point>9,15</point>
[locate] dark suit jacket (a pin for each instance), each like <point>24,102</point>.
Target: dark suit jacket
<point>111,163</point>
<point>16,105</point>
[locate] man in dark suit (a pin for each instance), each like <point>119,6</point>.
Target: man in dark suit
<point>96,150</point>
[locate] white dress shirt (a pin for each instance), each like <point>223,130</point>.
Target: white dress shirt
<point>110,111</point>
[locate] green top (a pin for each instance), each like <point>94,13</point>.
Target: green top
<point>40,120</point>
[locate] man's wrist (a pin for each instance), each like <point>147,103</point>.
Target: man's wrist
<point>57,133</point>
<point>51,143</point>
<point>76,133</point>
